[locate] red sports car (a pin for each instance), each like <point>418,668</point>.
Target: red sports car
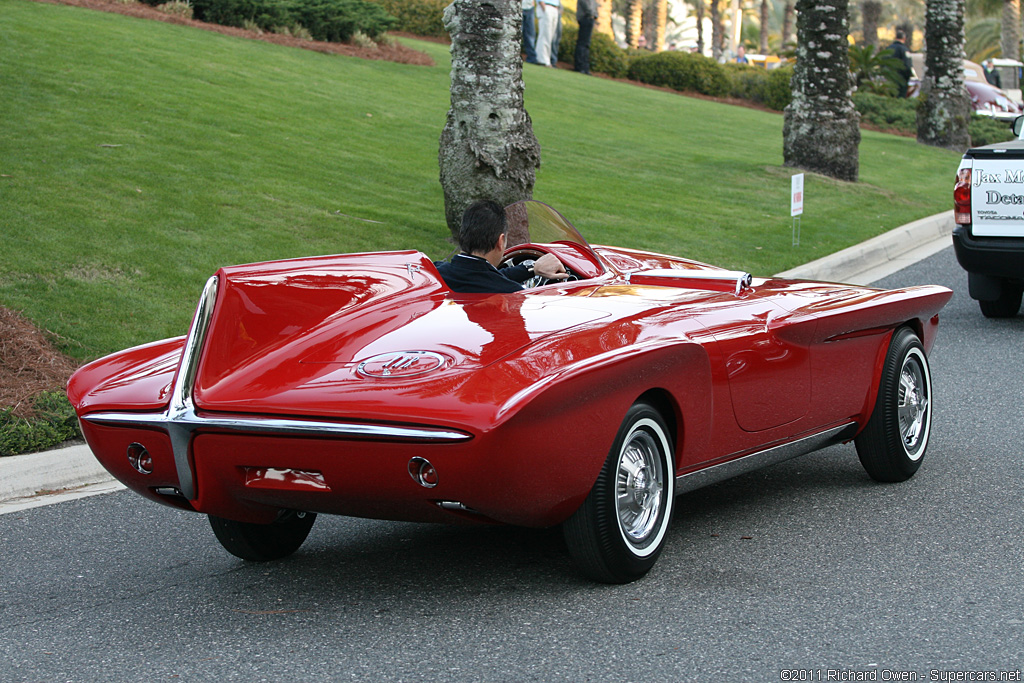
<point>361,385</point>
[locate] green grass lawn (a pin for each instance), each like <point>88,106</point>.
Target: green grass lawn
<point>136,157</point>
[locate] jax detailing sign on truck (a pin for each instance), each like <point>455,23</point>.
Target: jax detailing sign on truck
<point>997,191</point>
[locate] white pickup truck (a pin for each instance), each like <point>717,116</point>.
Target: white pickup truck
<point>988,202</point>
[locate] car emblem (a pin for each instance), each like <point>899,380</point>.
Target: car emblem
<point>401,364</point>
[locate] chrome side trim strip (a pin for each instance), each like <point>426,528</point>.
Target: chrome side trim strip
<point>771,456</point>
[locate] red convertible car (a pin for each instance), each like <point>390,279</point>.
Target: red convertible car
<point>361,385</point>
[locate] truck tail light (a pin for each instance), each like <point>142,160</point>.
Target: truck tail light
<point>962,197</point>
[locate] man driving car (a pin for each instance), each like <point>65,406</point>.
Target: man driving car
<point>482,239</point>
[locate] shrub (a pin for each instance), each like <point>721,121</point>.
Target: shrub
<point>780,92</point>
<point>747,82</point>
<point>681,71</point>
<point>53,423</point>
<point>419,17</point>
<point>605,56</point>
<point>331,20</point>
<point>986,131</point>
<point>338,20</point>
<point>887,112</point>
<point>262,13</point>
<point>179,8</point>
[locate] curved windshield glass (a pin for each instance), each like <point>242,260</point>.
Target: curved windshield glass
<point>536,222</point>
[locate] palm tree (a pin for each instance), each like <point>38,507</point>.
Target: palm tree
<point>634,22</point>
<point>787,24</point>
<point>763,42</point>
<point>875,70</point>
<point>1010,38</point>
<point>716,30</point>
<point>660,19</point>
<point>945,107</point>
<point>821,130</point>
<point>487,147</point>
<point>870,13</point>
<point>700,25</point>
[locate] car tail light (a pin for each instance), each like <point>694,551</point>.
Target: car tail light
<point>422,472</point>
<point>140,458</point>
<point>962,197</point>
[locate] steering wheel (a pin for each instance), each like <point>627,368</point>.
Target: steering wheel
<point>527,257</point>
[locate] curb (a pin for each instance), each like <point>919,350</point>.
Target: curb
<point>40,474</point>
<point>879,256</point>
<point>33,474</point>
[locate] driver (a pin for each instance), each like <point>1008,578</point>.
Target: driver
<point>482,240</point>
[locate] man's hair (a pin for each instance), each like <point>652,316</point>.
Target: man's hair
<point>900,35</point>
<point>483,222</point>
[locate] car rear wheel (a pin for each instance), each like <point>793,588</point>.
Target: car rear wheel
<point>893,443</point>
<point>1006,306</point>
<point>618,532</point>
<point>262,542</point>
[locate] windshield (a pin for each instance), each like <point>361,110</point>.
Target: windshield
<point>534,222</point>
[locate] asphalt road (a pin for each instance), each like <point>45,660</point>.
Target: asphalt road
<point>806,566</point>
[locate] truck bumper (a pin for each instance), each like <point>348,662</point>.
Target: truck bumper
<point>1000,258</point>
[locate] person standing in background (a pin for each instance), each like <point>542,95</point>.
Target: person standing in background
<point>547,29</point>
<point>586,15</point>
<point>530,31</point>
<point>899,51</point>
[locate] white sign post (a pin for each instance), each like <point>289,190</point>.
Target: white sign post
<point>796,205</point>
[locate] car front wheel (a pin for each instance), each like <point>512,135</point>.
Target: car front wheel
<point>893,442</point>
<point>263,542</point>
<point>618,532</point>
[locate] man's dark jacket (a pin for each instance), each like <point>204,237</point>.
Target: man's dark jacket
<point>899,51</point>
<point>471,274</point>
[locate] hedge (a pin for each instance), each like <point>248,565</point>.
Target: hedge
<point>329,20</point>
<point>901,114</point>
<point>52,424</point>
<point>419,17</point>
<point>755,84</point>
<point>681,71</point>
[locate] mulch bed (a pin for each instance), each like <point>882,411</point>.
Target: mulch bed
<point>29,363</point>
<point>392,53</point>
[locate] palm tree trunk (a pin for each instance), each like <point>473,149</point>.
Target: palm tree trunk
<point>821,127</point>
<point>945,108</point>
<point>700,27</point>
<point>763,43</point>
<point>787,23</point>
<point>716,31</point>
<point>871,12</point>
<point>660,20</point>
<point>487,148</point>
<point>634,22</point>
<point>1010,40</point>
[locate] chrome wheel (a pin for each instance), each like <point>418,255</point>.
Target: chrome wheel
<point>893,442</point>
<point>913,404</point>
<point>618,532</point>
<point>639,486</point>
